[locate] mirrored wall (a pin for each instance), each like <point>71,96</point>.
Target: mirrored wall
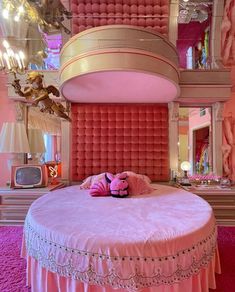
<point>195,139</point>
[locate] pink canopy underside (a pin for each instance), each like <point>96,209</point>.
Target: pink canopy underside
<point>120,87</point>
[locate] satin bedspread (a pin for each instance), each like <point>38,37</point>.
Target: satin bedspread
<point>165,241</point>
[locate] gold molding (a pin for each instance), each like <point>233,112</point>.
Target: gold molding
<point>136,61</point>
<point>116,36</point>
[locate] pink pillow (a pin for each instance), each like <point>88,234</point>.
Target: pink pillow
<point>90,180</point>
<point>100,188</point>
<point>138,184</point>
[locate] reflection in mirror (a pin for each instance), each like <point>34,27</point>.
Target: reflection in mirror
<point>195,139</point>
<point>50,126</point>
<point>36,145</point>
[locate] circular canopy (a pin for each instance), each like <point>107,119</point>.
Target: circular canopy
<point>120,87</point>
<point>119,64</point>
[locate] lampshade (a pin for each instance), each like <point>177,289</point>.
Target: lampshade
<point>36,141</point>
<point>185,165</point>
<point>13,138</point>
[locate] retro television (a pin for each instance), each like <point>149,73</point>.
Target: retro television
<point>29,176</point>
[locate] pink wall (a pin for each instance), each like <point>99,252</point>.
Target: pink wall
<point>228,57</point>
<point>229,107</point>
<point>195,120</point>
<point>229,132</point>
<point>7,114</point>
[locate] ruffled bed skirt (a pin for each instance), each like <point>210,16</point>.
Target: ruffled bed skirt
<point>42,280</point>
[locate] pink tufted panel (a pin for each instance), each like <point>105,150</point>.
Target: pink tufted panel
<point>114,138</point>
<point>144,13</point>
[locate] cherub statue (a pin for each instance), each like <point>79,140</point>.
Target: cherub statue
<point>39,95</point>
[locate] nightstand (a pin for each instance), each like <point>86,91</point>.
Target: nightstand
<point>14,203</point>
<point>221,199</point>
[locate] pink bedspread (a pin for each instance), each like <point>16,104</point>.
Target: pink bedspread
<point>164,241</point>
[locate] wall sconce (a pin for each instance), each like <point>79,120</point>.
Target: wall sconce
<point>185,166</point>
<point>13,139</point>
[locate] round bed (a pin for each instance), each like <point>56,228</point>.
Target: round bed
<point>164,241</point>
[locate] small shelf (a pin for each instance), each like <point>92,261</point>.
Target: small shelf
<point>14,203</point>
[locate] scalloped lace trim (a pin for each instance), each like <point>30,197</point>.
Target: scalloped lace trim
<point>102,269</point>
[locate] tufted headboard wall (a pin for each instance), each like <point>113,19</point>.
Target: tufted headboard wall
<point>119,137</point>
<point>152,14</point>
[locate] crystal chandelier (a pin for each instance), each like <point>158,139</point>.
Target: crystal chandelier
<point>48,15</point>
<point>11,61</point>
<point>27,26</point>
<point>18,9</point>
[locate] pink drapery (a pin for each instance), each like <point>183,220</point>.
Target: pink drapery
<point>40,279</point>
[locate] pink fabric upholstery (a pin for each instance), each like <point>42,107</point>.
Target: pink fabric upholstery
<point>100,188</point>
<point>165,241</point>
<point>89,181</point>
<point>138,184</point>
<point>113,138</point>
<point>145,13</point>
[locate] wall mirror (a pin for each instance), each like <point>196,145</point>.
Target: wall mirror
<point>44,133</point>
<point>195,139</point>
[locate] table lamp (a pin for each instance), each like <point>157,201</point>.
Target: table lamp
<point>185,166</point>
<point>36,145</point>
<point>13,139</point>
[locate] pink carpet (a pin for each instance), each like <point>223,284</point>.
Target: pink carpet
<point>226,281</point>
<point>12,267</point>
